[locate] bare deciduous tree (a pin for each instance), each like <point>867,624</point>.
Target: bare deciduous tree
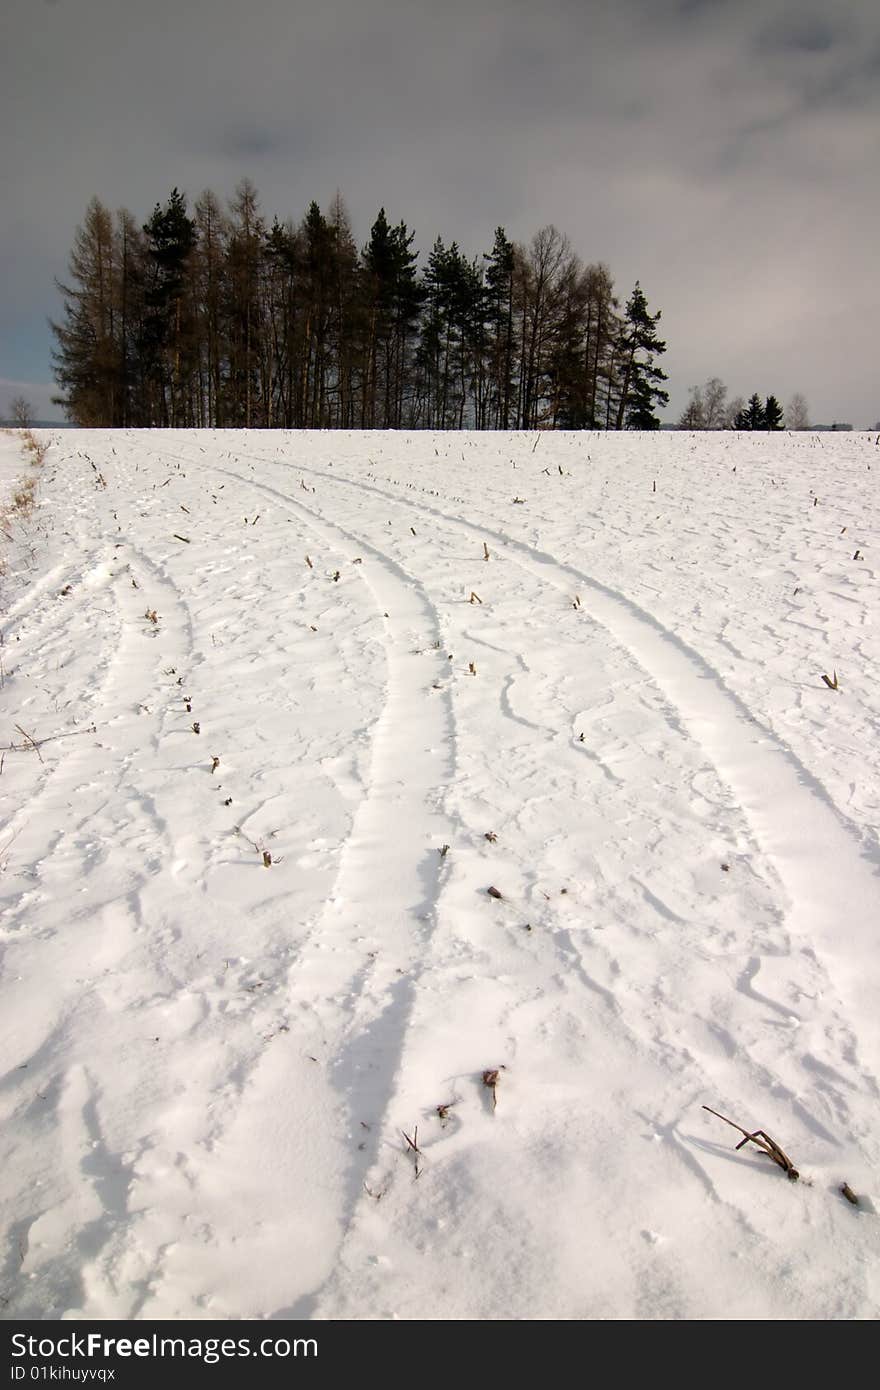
<point>21,413</point>
<point>714,404</point>
<point>797,413</point>
<point>734,408</point>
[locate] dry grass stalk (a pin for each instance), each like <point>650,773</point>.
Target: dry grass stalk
<point>763,1141</point>
<point>490,1081</point>
<point>413,1148</point>
<point>33,744</point>
<point>831,683</point>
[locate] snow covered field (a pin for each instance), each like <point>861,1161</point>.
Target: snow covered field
<point>227,994</point>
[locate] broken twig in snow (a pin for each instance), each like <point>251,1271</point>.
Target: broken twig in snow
<point>764,1142</point>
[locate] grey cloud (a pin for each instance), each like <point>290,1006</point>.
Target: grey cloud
<point>721,152</point>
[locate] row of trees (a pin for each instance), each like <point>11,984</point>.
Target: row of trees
<point>216,318</point>
<point>709,409</point>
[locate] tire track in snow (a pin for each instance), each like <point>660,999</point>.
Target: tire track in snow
<point>828,871</point>
<point>356,971</point>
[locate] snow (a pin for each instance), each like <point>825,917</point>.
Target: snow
<point>210,1062</point>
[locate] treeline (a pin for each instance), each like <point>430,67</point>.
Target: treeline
<point>709,409</point>
<point>214,318</point>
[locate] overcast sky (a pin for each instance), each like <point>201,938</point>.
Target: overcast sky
<point>724,152</point>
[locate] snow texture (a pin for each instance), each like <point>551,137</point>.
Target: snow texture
<point>299,701</point>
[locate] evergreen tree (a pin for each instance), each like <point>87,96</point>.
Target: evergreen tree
<point>434,342</point>
<point>500,340</point>
<point>772,414</point>
<point>215,320</point>
<point>316,240</point>
<point>393,299</point>
<point>640,391</point>
<point>753,416</point>
<point>282,256</point>
<point>693,417</point>
<point>167,337</point>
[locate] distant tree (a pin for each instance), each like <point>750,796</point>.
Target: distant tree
<point>87,358</point>
<point>601,333</point>
<point>772,414</point>
<point>567,381</point>
<point>753,417</point>
<point>693,417</point>
<point>797,413</point>
<point>217,320</point>
<point>732,412</point>
<point>640,390</point>
<point>500,343</point>
<point>209,270</point>
<point>392,303</point>
<point>714,404</point>
<point>707,408</point>
<point>168,338</point>
<point>542,273</point>
<point>345,316</point>
<point>244,403</point>
<point>21,413</point>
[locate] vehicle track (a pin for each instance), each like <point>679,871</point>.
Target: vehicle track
<point>791,815</point>
<point>368,1010</point>
<point>352,973</point>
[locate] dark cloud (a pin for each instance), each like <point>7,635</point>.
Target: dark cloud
<point>722,153</point>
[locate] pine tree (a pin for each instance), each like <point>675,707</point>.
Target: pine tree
<point>316,290</point>
<point>640,391</point>
<point>753,416</point>
<point>393,299</point>
<point>693,417</point>
<point>168,339</point>
<point>500,340</point>
<point>772,414</point>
